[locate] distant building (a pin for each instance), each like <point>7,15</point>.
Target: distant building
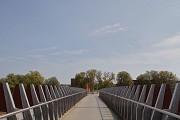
<point>73,83</point>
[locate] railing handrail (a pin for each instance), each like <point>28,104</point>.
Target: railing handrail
<point>142,104</point>
<point>38,105</point>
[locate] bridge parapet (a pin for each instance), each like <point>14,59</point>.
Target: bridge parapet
<point>144,102</point>
<point>37,102</point>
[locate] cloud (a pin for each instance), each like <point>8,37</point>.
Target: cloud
<point>166,54</point>
<point>75,52</point>
<point>46,49</point>
<point>18,57</point>
<point>166,50</point>
<point>43,55</point>
<point>145,59</point>
<point>13,58</point>
<point>35,56</point>
<point>55,51</point>
<point>169,42</point>
<point>70,52</point>
<point>109,29</point>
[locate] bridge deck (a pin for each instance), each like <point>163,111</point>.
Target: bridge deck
<point>91,108</point>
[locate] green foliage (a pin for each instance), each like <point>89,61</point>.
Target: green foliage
<point>34,77</point>
<point>166,77</point>
<point>90,76</point>
<point>124,79</point>
<point>107,83</point>
<point>80,80</point>
<point>2,80</point>
<point>96,79</point>
<point>105,79</point>
<point>99,79</point>
<point>52,81</point>
<point>13,79</point>
<point>142,79</point>
<point>156,77</point>
<point>109,76</point>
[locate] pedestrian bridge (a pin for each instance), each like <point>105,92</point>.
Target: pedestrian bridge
<point>91,108</point>
<point>142,102</point>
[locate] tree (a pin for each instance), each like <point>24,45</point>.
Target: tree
<point>142,79</point>
<point>152,75</point>
<point>12,80</point>
<point>156,77</point>
<point>34,77</point>
<point>105,79</point>
<point>166,77</point>
<point>107,83</point>
<point>52,81</point>
<point>96,79</point>
<point>90,76</point>
<point>21,79</point>
<point>124,79</point>
<point>2,80</point>
<point>80,80</point>
<point>108,77</point>
<point>148,77</point>
<point>99,84</point>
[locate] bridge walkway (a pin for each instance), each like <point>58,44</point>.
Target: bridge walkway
<point>91,108</point>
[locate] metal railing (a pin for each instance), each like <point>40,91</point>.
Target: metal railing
<point>57,101</point>
<point>144,102</point>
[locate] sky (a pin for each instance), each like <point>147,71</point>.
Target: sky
<point>63,37</point>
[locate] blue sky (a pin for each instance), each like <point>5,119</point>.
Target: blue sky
<point>62,38</point>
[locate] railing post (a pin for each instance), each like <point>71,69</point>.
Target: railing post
<point>33,100</point>
<point>146,111</point>
<point>133,106</point>
<point>129,103</point>
<point>51,105</point>
<point>123,102</point>
<point>175,100</point>
<point>21,101</point>
<point>126,102</point>
<point>59,101</point>
<point>139,108</point>
<point>63,100</point>
<point>120,90</point>
<point>55,104</point>
<point>42,98</point>
<point>159,103</point>
<point>7,102</point>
